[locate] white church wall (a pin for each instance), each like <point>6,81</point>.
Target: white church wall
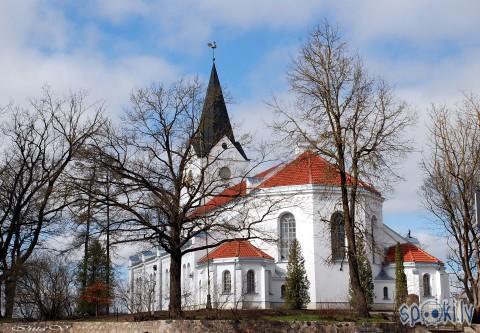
<point>331,277</point>
<point>414,273</point>
<point>312,208</point>
<point>238,297</point>
<point>218,158</point>
<point>379,297</point>
<point>300,206</point>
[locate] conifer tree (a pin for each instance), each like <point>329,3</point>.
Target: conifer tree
<point>96,270</point>
<point>297,284</point>
<point>401,289</point>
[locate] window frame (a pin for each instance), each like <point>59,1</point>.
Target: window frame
<point>225,283</point>
<point>287,232</point>
<point>427,292</point>
<point>337,228</point>
<point>251,282</point>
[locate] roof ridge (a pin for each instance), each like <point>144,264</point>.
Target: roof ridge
<point>236,249</point>
<point>422,250</point>
<point>413,252</point>
<point>282,167</point>
<point>256,249</point>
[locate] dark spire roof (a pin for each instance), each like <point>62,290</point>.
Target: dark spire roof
<point>214,122</point>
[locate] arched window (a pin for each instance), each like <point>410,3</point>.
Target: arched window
<point>385,292</point>
<point>338,236</point>
<point>227,282</point>
<point>426,285</point>
<point>283,290</point>
<point>373,226</point>
<point>287,234</point>
<point>250,282</point>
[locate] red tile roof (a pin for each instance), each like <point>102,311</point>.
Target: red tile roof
<point>221,199</point>
<point>411,253</point>
<point>307,168</point>
<point>236,249</point>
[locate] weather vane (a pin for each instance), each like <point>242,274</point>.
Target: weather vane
<point>213,46</point>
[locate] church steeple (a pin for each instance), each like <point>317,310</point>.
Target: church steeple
<point>214,122</point>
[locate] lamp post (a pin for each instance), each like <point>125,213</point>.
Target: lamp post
<point>208,306</point>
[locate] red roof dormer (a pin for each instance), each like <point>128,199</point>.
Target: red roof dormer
<point>411,253</point>
<point>236,249</point>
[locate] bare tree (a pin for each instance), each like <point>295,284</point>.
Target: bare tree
<point>141,297</point>
<point>38,145</point>
<point>350,119</point>
<point>45,288</point>
<point>165,188</point>
<point>452,174</point>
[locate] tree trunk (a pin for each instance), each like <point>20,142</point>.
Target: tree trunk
<point>10,291</point>
<point>360,304</point>
<point>1,298</point>
<point>85,259</point>
<point>175,306</point>
<point>108,244</point>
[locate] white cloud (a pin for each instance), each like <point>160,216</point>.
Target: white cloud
<point>118,10</point>
<point>424,22</point>
<point>43,45</point>
<point>107,80</point>
<point>37,51</point>
<point>435,245</point>
<point>186,25</point>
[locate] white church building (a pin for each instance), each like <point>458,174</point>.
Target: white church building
<point>251,274</point>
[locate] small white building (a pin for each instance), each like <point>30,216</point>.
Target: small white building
<point>251,274</point>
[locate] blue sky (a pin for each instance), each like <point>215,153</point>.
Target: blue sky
<point>428,50</point>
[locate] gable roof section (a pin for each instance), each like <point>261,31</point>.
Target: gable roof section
<point>307,168</point>
<point>411,253</point>
<point>224,197</point>
<point>236,249</point>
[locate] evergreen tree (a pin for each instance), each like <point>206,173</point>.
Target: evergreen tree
<point>401,289</point>
<point>297,284</point>
<point>365,273</point>
<point>96,271</point>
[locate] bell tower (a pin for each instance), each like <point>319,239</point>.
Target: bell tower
<point>215,142</point>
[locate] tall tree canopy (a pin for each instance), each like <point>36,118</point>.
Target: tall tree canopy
<point>164,187</point>
<point>39,144</point>
<point>349,118</point>
<point>452,175</point>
